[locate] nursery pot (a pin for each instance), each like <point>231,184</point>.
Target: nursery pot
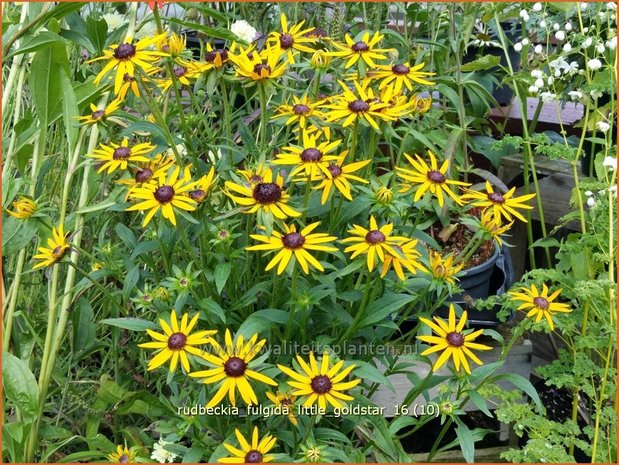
<point>475,281</point>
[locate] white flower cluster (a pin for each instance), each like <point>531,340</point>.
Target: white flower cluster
<point>161,455</point>
<point>244,31</point>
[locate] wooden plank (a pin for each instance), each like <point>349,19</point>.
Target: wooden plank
<point>487,455</point>
<point>556,192</point>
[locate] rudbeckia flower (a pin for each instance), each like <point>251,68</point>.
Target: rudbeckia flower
<point>501,205</point>
<point>361,50</point>
<point>351,107</point>
<point>539,304</point>
<point>312,158</point>
<point>259,66</point>
<point>122,455</point>
<point>23,208</point>
<point>443,269</point>
<point>256,452</point>
<point>299,111</point>
<point>340,175</point>
<point>453,341</point>
<point>118,156</point>
<point>99,114</point>
<point>407,257</point>
<point>58,246</point>
<point>292,38</point>
<point>400,75</point>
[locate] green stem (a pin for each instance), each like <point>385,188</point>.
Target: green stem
<point>264,120</point>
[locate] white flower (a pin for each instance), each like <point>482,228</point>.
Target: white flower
<point>612,43</point>
<point>539,82</point>
<point>585,30</point>
<point>524,15</point>
<point>160,454</point>
<point>602,126</point>
<point>568,27</point>
<point>525,41</point>
<point>542,23</point>
<point>575,94</point>
<point>518,46</point>
<point>600,48</point>
<point>560,35</point>
<point>567,48</point>
<point>591,202</point>
<point>547,97</point>
<point>613,190</point>
<point>550,80</point>
<point>556,26</point>
<point>537,73</point>
<point>588,42</point>
<point>611,6</point>
<point>588,193</point>
<point>610,162</point>
<point>583,6</point>
<point>243,30</point>
<point>533,90</point>
<point>114,21</point>
<point>537,6</point>
<point>538,49</point>
<point>594,64</point>
<point>595,94</point>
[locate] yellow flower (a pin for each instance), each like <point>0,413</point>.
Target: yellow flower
<point>320,59</point>
<point>399,75</point>
<point>373,242</point>
<point>352,107</point>
<point>294,245</point>
<point>324,384</point>
<point>539,305</point>
<point>443,269</point>
<point>233,368</point>
<point>216,57</point>
<point>339,176</point>
<point>172,44</point>
<point>364,50</point>
<point>312,158</point>
<point>286,401</point>
<point>266,195</point>
<point>500,204</point>
<point>126,57</point>
<point>429,178</point>
<point>58,246</point>
<point>254,175</point>
<point>203,186</point>
<point>259,66</point>
<point>493,227</point>
<point>300,111</point>
<point>256,452</point>
<point>98,114</point>
<point>452,341</point>
<point>421,104</point>
<point>23,208</point>
<point>118,156</point>
<point>384,195</point>
<point>291,38</point>
<point>185,72</point>
<point>122,455</point>
<point>164,194</point>
<point>149,172</point>
<point>176,342</point>
<point>407,257</point>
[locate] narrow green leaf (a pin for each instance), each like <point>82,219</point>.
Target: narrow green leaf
<point>222,273</point>
<point>130,323</point>
<point>467,443</point>
<point>380,309</point>
<point>485,62</point>
<point>70,111</point>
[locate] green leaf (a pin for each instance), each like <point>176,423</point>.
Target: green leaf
<point>211,307</point>
<point>467,443</point>
<point>193,455</point>
<point>20,386</point>
<point>17,234</point>
<point>222,273</point>
<point>485,62</point>
<point>83,456</point>
<point>479,402</point>
<point>131,280</point>
<point>146,126</point>
<point>22,156</point>
<point>45,82</point>
<point>525,386</point>
<point>83,328</point>
<point>110,391</point>
<point>219,33</point>
<point>126,235</point>
<point>369,372</point>
<point>42,39</point>
<point>70,111</point>
<point>380,309</point>
<point>97,33</point>
<point>130,323</point>
<point>263,320</point>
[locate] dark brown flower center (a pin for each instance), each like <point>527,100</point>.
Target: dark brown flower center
<point>124,52</point>
<point>311,155</point>
<point>128,78</point>
<point>374,237</point>
<point>455,339</point>
<point>123,459</point>
<point>335,170</point>
<point>300,109</point>
<point>253,456</point>
<point>197,195</point>
<point>255,178</point>
<point>360,47</point>
<point>358,106</point>
<point>400,69</point>
<point>317,32</point>
<point>98,114</point>
<point>235,367</point>
<point>293,240</point>
<point>321,384</point>
<point>177,341</point>
<point>495,197</point>
<point>259,67</point>
<point>541,303</point>
<point>121,153</point>
<point>267,193</point>
<point>143,175</point>
<point>211,56</point>
<point>180,71</point>
<point>58,251</point>
<point>436,177</point>
<point>164,194</point>
<point>286,41</point>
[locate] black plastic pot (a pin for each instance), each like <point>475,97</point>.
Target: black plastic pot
<point>475,282</point>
